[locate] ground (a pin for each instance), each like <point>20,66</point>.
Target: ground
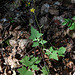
<point>16,19</point>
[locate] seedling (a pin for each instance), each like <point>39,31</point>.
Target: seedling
<point>31,61</point>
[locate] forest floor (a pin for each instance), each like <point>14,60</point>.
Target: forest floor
<point>15,25</point>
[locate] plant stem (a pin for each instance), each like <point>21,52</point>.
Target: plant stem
<point>37,22</point>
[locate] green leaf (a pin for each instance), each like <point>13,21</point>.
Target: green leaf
<point>61,51</point>
<point>25,61</point>
<point>47,53</point>
<point>7,42</point>
<point>72,27</point>
<point>51,49</point>
<point>12,21</point>
<point>34,34</point>
<point>35,44</point>
<point>54,55</point>
<point>64,23</point>
<point>34,67</point>
<point>67,20</point>
<point>37,62</point>
<point>23,71</point>
<point>43,42</point>
<point>10,18</point>
<point>73,18</point>
<point>34,59</point>
<point>29,61</point>
<point>45,71</point>
<point>69,24</point>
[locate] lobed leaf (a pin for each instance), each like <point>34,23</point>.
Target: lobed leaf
<point>51,49</point>
<point>25,61</point>
<point>54,55</point>
<point>61,51</point>
<point>45,71</point>
<point>23,71</point>
<point>29,61</point>
<point>34,34</point>
<point>34,67</point>
<point>35,44</point>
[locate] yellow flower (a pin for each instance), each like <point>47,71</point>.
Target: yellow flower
<point>32,10</point>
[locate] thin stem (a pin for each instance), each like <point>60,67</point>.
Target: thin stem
<point>37,22</point>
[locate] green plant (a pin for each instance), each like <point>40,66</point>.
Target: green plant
<point>70,23</point>
<point>54,54</point>
<point>11,20</point>
<point>7,42</point>
<point>36,37</point>
<point>44,71</point>
<point>31,61</point>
